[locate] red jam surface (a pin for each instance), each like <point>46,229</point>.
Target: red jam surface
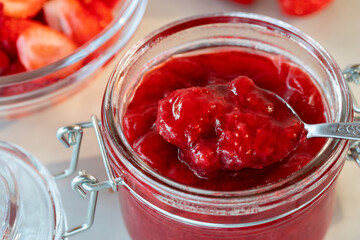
<point>203,119</point>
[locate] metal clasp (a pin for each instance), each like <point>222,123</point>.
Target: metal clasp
<point>71,136</point>
<point>352,77</point>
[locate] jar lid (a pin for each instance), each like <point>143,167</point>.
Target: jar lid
<point>30,203</point>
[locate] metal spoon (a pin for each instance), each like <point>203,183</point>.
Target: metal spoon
<point>342,130</point>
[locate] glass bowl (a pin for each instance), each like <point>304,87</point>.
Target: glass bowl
<point>23,93</point>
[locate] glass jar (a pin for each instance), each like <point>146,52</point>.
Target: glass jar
<point>297,207</point>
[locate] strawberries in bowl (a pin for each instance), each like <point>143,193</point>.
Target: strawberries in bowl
<point>49,47</point>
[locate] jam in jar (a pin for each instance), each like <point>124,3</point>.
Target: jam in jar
<point>196,143</point>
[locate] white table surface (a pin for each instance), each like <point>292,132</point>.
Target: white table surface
<point>336,28</point>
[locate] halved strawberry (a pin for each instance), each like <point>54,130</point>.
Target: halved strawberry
<point>22,8</point>
<point>4,62</point>
<point>71,18</point>
<point>10,29</point>
<point>99,9</point>
<point>302,7</point>
<point>40,45</point>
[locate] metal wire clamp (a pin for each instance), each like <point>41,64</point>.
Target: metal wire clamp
<point>352,75</point>
<point>84,183</point>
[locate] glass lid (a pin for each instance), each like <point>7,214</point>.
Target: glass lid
<point>30,204</point>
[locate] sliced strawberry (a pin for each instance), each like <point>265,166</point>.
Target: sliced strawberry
<point>10,30</point>
<point>22,8</point>
<point>71,18</point>
<point>39,46</point>
<point>4,62</point>
<point>302,7</point>
<point>99,9</point>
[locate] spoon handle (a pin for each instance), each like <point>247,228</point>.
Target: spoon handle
<point>343,130</point>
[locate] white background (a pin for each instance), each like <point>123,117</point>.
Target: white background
<point>336,28</point>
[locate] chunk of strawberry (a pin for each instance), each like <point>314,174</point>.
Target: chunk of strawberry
<point>302,7</point>
<point>22,8</point>
<point>228,126</point>
<point>188,114</point>
<point>4,62</point>
<point>39,46</point>
<point>10,29</point>
<point>71,18</point>
<point>243,92</point>
<point>203,158</point>
<point>255,140</point>
<point>99,9</point>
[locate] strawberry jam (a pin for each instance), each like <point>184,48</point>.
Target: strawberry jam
<point>205,151</point>
<point>227,127</point>
<point>203,119</point>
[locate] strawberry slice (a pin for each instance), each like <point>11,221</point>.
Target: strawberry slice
<point>100,10</point>
<point>71,18</point>
<point>39,46</point>
<point>22,8</point>
<point>302,7</point>
<point>4,62</point>
<point>10,29</point>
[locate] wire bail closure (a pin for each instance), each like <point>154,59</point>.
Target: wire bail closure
<point>84,183</point>
<point>352,76</point>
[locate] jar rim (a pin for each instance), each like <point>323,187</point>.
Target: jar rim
<point>159,182</point>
